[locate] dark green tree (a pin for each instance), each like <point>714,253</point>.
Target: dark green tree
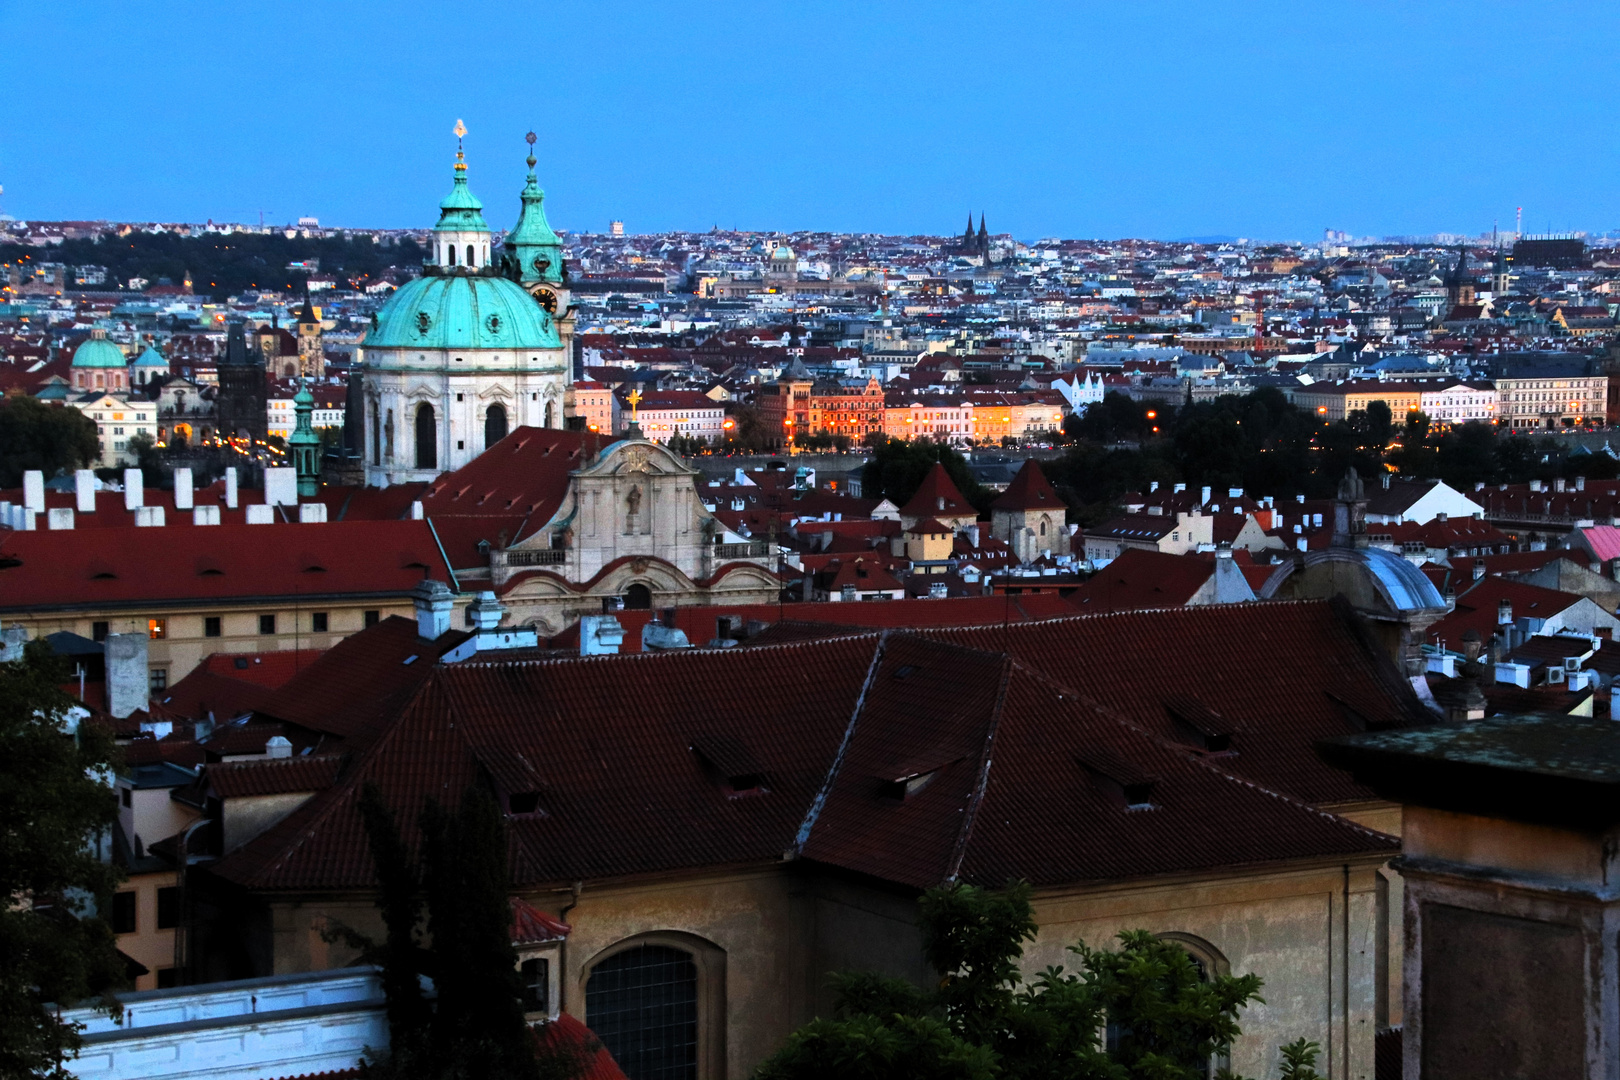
<point>898,466</point>
<point>1142,1012</point>
<point>55,803</point>
<point>34,435</point>
<point>473,1027</point>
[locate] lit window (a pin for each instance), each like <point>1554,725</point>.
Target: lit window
<point>157,629</point>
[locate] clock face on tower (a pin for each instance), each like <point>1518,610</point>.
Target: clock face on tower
<point>548,300</point>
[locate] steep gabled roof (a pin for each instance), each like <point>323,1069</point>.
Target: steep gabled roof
<point>514,487</point>
<point>1143,579</point>
<point>1029,490</point>
<point>938,496</point>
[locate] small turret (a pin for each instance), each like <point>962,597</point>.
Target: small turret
<point>304,445</point>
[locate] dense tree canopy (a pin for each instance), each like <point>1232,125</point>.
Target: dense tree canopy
<point>55,803</point>
<point>222,265</point>
<point>897,468</point>
<point>34,435</point>
<point>1263,444</point>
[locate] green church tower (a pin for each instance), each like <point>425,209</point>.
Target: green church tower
<point>303,445</point>
<point>534,252</point>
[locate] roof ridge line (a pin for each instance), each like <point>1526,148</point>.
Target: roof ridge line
<point>813,814</point>
<point>986,756</point>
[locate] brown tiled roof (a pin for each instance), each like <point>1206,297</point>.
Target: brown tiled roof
<point>1029,490</point>
<point>273,776</point>
<point>615,763</point>
<point>359,681</point>
<point>1286,674</point>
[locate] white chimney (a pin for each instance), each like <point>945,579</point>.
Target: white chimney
<point>1580,483</point>
<point>599,635</point>
<point>34,490</point>
<point>433,601</point>
<point>277,746</point>
<point>84,491</point>
<point>60,517</point>
<point>416,510</point>
<point>1204,497</point>
<point>127,676</point>
<point>281,487</point>
<point>134,493</point>
<point>230,488</point>
<point>260,514</point>
<point>311,512</point>
<point>184,499</point>
<point>205,515</point>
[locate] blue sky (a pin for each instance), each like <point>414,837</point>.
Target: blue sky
<point>1267,120</point>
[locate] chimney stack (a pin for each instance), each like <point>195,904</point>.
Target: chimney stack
<point>34,491</point>
<point>134,492</point>
<point>184,499</point>
<point>127,676</point>
<point>230,488</point>
<point>1504,612</point>
<point>277,746</point>
<point>433,601</point>
<point>84,491</point>
<point>1204,496</point>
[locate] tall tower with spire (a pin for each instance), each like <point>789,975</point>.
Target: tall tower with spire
<point>303,445</point>
<point>311,352</point>
<point>533,255</point>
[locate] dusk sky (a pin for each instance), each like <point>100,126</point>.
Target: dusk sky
<point>1264,120</point>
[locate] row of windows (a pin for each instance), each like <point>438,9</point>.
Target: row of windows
<point>213,626</point>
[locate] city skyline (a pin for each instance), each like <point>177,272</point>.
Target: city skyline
<point>1185,122</point>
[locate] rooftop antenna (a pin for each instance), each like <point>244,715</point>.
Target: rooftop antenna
<point>1518,223</point>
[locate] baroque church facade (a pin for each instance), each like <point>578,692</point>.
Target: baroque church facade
<point>476,346</point>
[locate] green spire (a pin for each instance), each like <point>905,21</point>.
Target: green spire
<point>303,445</point>
<point>461,211</point>
<point>534,250</point>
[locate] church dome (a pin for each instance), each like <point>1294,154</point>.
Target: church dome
<point>462,311</point>
<point>783,253</point>
<point>97,352</point>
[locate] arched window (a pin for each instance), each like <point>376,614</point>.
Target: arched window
<point>494,424</point>
<point>638,598</point>
<point>548,414</point>
<point>427,438</point>
<point>376,434</point>
<point>472,259</point>
<point>643,1004</point>
<point>450,254</point>
<point>388,438</point>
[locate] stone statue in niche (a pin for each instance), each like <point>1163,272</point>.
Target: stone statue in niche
<point>632,505</point>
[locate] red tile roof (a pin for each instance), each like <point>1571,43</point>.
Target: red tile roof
<point>566,1032</point>
<point>531,926</point>
<point>1029,490</point>
<point>273,776</point>
<point>512,488</point>
<point>1477,609</point>
<point>201,567</point>
<point>1143,579</point>
<point>938,496</point>
<point>654,764</point>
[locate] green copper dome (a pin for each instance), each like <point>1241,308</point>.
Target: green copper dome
<point>462,311</point>
<point>97,352</point>
<point>150,357</point>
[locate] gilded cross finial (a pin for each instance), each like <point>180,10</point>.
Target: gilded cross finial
<point>529,138</point>
<point>460,132</point>
<point>634,399</point>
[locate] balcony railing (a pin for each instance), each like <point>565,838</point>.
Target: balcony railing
<point>748,549</point>
<point>542,557</point>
